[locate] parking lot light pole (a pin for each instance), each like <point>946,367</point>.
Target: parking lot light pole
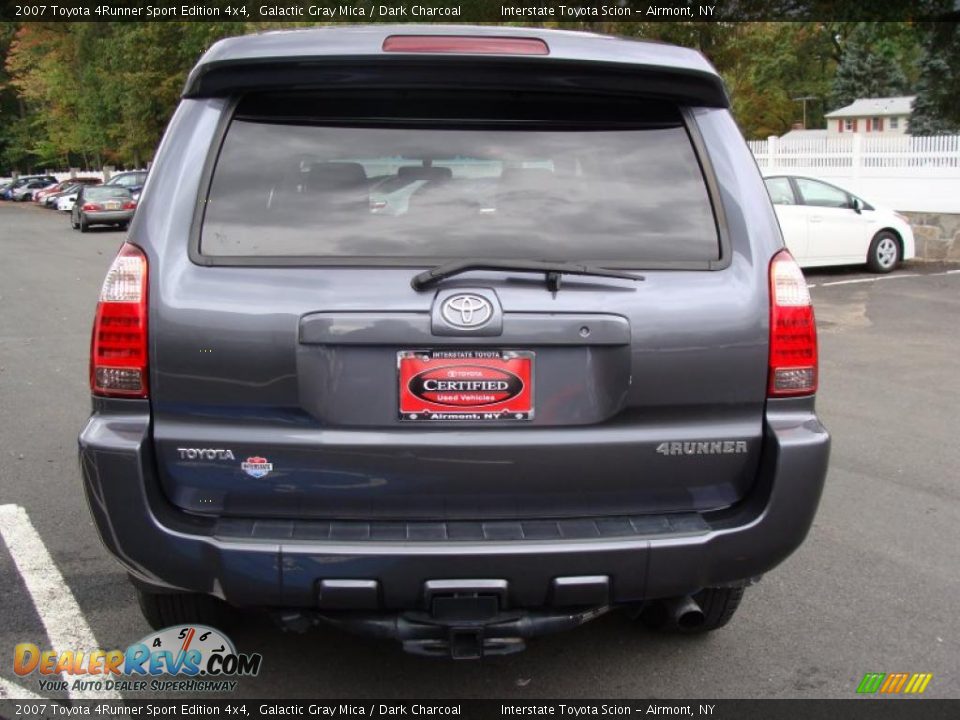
<point>804,101</point>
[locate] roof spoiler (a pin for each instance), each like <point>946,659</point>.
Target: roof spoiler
<point>684,86</point>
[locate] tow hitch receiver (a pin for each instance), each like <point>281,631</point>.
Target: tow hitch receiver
<point>465,643</point>
<point>453,635</point>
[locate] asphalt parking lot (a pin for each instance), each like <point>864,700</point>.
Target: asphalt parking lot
<point>874,588</point>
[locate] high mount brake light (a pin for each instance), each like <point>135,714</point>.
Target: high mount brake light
<point>118,349</point>
<point>465,44</point>
<point>793,331</point>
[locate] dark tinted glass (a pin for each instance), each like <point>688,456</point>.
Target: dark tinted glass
<point>822,195</point>
<point>104,192</point>
<point>780,191</point>
<point>128,179</point>
<point>573,194</point>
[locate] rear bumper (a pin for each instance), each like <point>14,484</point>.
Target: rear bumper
<point>116,217</point>
<point>363,566</point>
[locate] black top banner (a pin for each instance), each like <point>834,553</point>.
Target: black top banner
<point>456,11</point>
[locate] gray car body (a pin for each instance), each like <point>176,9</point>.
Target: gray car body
<point>86,218</point>
<point>369,501</point>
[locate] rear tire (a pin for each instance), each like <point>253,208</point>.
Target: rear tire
<point>165,609</point>
<point>884,253</point>
<point>718,605</point>
<point>83,225</point>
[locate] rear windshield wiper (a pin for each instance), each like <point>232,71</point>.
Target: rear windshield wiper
<point>552,270</point>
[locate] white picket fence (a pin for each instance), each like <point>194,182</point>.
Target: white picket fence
<point>921,174</point>
<point>862,154</point>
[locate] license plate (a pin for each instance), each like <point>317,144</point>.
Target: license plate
<point>466,385</point>
<point>112,205</point>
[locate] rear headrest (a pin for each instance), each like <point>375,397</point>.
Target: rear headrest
<point>334,176</point>
<point>421,172</point>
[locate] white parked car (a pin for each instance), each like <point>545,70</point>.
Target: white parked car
<point>824,224</point>
<point>65,203</point>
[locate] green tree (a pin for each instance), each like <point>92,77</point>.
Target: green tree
<point>147,66</point>
<point>40,66</point>
<point>12,109</point>
<point>94,93</point>
<point>936,110</point>
<point>873,61</point>
<point>768,66</point>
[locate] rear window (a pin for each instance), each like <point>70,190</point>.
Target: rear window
<point>128,179</point>
<point>393,190</point>
<point>105,192</point>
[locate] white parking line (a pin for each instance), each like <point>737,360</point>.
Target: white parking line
<point>849,282</point>
<point>884,277</point>
<point>66,627</point>
<point>9,691</point>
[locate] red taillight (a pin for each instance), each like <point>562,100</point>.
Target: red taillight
<point>793,331</point>
<point>90,207</point>
<point>465,44</point>
<point>130,205</point>
<point>118,350</point>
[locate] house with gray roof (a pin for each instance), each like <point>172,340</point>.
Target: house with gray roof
<point>889,116</point>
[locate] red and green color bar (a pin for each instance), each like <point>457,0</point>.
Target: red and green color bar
<point>893,683</point>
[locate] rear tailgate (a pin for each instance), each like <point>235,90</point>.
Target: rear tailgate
<point>663,423</point>
<point>289,357</point>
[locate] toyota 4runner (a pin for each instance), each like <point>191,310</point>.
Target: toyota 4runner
<point>455,336</point>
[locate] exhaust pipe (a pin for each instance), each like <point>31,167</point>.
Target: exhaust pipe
<point>684,612</point>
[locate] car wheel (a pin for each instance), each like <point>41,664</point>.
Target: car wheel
<point>162,610</point>
<point>884,253</point>
<point>123,226</point>
<point>718,606</point>
<point>84,227</point>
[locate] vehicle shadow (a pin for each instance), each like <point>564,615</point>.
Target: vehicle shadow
<point>578,663</point>
<point>104,229</point>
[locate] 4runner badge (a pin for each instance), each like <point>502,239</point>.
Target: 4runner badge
<point>256,467</point>
<point>713,447</point>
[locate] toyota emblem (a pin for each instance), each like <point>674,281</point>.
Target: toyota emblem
<point>466,311</point>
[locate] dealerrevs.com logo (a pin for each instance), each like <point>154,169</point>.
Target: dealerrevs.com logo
<point>183,658</point>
